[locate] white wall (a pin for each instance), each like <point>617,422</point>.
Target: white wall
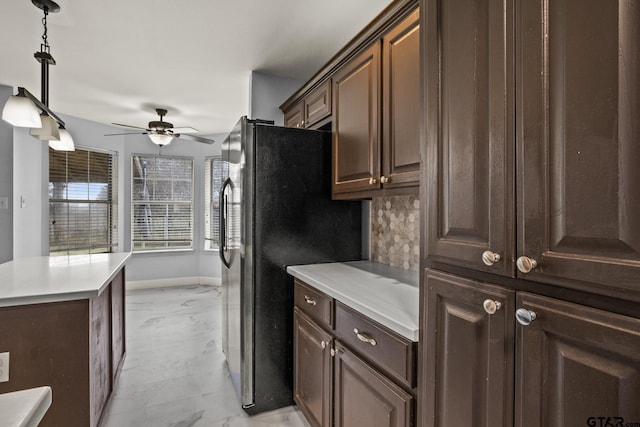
<point>266,94</point>
<point>6,182</point>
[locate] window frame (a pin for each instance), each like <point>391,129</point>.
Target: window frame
<point>211,243</point>
<point>190,203</point>
<point>111,202</point>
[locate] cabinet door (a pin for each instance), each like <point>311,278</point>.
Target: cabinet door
<point>312,370</point>
<point>293,117</point>
<point>467,363</point>
<point>317,105</point>
<point>468,156</point>
<point>356,110</point>
<point>579,126</point>
<point>401,100</point>
<point>576,364</point>
<point>364,397</point>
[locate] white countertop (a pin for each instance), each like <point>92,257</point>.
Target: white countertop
<point>61,278</point>
<point>387,295</point>
<point>24,408</point>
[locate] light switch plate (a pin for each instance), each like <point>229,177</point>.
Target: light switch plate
<point>4,367</point>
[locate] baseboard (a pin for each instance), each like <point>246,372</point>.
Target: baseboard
<point>177,281</point>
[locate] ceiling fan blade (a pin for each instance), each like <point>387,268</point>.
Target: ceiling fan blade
<point>187,129</point>
<point>129,126</point>
<point>126,133</point>
<point>194,138</point>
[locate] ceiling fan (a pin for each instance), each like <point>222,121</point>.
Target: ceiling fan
<point>161,132</point>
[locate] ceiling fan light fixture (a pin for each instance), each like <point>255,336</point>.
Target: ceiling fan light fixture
<point>65,143</point>
<point>160,138</point>
<point>48,131</point>
<point>20,111</point>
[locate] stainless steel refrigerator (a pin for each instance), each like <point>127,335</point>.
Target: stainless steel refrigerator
<point>276,210</point>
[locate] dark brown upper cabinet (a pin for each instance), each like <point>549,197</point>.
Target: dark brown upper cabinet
<point>356,128</point>
<point>310,111</point>
<point>293,117</point>
<point>575,364</point>
<point>468,155</point>
<point>578,190</point>
<point>400,104</point>
<point>376,114</point>
<point>566,97</point>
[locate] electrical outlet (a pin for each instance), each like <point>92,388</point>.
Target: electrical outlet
<point>4,367</point>
<point>4,202</point>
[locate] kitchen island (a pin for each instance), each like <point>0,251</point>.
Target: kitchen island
<point>63,324</point>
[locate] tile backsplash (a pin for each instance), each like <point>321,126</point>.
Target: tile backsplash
<point>395,231</point>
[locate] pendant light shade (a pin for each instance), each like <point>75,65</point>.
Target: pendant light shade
<point>21,112</point>
<point>160,138</point>
<point>65,143</point>
<point>49,130</point>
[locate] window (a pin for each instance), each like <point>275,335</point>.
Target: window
<point>161,203</point>
<point>82,202</point>
<point>213,176</point>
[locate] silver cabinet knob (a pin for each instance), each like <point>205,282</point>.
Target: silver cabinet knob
<point>323,344</point>
<point>309,300</point>
<point>385,179</point>
<point>491,306</point>
<point>373,181</point>
<point>526,264</point>
<point>525,317</point>
<point>490,258</point>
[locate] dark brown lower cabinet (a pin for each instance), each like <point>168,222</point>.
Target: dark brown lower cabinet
<point>577,366</point>
<point>344,382</point>
<point>467,379</point>
<point>313,370</point>
<point>364,397</point>
<point>560,364</point>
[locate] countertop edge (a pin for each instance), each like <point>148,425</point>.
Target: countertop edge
<point>399,328</point>
<point>33,404</point>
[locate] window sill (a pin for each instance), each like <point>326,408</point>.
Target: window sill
<point>162,251</point>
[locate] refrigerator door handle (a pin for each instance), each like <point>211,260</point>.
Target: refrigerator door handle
<point>222,240</point>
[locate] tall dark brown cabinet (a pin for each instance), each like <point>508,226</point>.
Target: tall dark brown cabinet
<point>531,233</point>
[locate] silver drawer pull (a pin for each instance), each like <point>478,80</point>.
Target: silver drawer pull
<point>309,300</point>
<point>364,338</point>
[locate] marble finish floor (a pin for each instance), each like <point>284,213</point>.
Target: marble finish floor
<point>174,374</point>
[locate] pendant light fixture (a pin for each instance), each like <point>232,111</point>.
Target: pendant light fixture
<point>25,110</point>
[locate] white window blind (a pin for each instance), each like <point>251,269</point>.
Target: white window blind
<point>82,202</point>
<point>213,178</point>
<point>161,203</point>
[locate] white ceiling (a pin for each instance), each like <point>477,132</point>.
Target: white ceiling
<point>119,59</point>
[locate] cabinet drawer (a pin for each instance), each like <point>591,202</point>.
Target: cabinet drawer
<point>315,304</point>
<point>372,341</point>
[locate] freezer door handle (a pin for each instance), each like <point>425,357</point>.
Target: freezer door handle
<point>222,241</point>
